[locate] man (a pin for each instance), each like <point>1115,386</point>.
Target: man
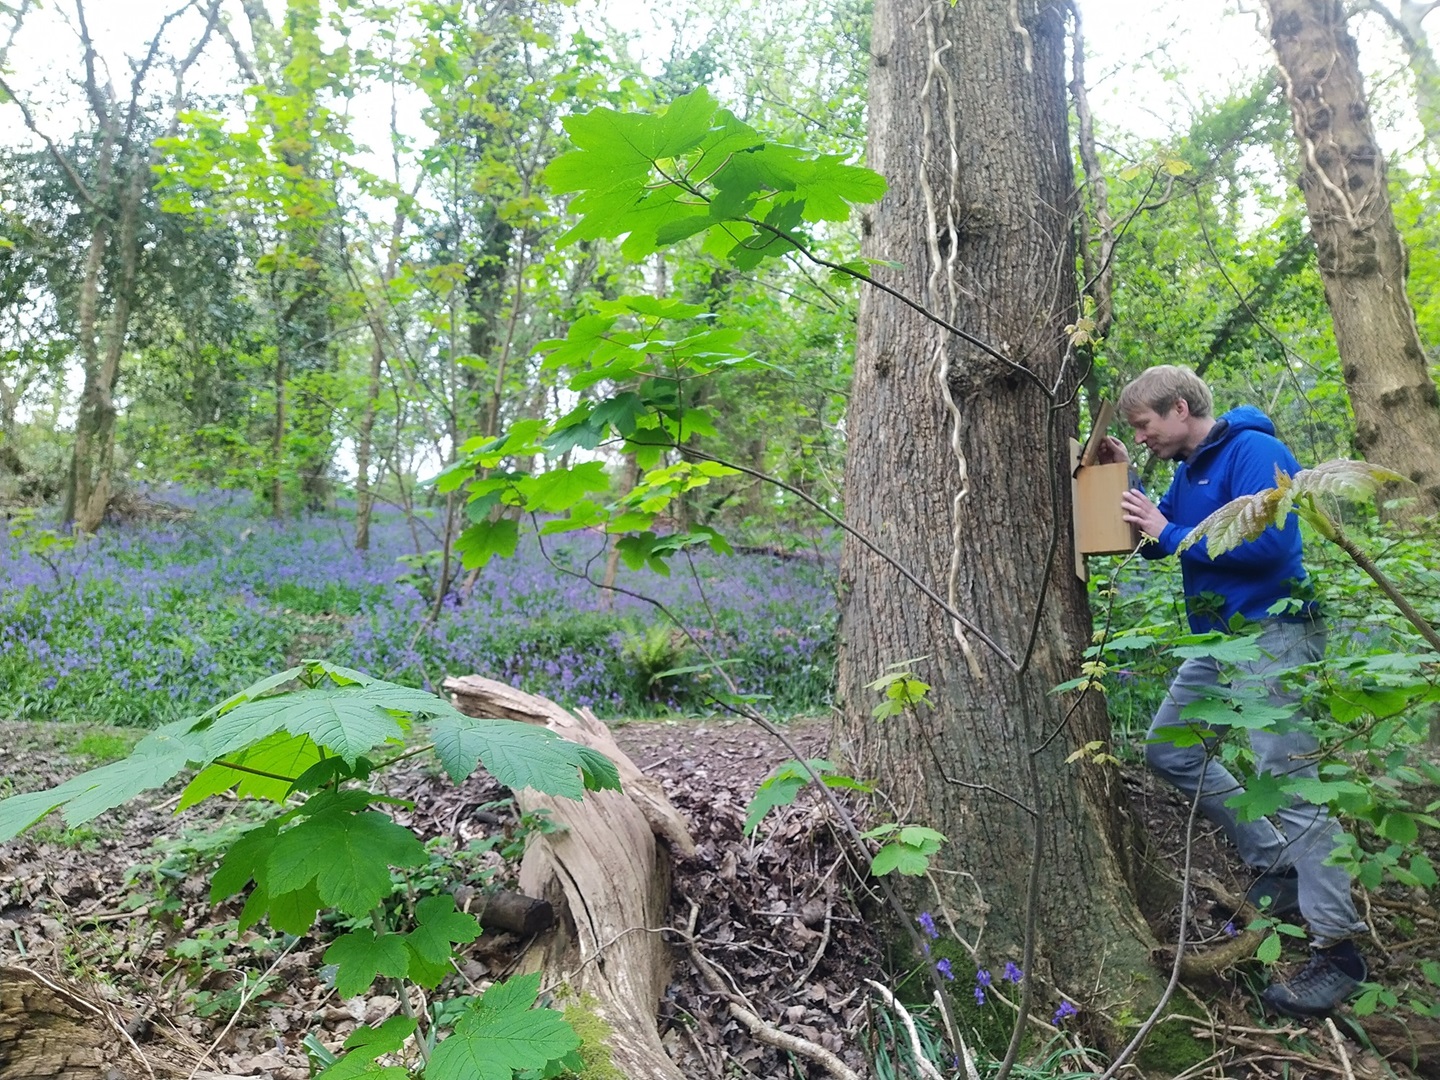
<point>1263,581</point>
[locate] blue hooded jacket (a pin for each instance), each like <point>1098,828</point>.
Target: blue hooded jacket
<point>1238,457</point>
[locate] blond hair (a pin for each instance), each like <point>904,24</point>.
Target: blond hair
<point>1161,387</point>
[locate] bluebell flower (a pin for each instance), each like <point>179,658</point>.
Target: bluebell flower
<point>943,967</point>
<point>1065,1010</point>
<point>1012,973</point>
<point>927,923</point>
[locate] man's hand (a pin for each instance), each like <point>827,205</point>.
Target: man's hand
<point>1142,513</point>
<point>1112,451</point>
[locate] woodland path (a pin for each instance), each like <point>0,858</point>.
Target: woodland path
<point>780,913</point>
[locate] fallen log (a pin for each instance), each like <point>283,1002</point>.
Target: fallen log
<point>49,1031</point>
<point>606,877</point>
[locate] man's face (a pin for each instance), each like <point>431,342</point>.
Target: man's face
<point>1164,436</point>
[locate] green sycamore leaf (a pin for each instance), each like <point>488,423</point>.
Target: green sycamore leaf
<point>501,1034</point>
<point>360,956</point>
<point>156,759</point>
<point>1242,713</point>
<point>280,754</point>
<point>519,755</point>
<point>620,412</point>
<point>437,925</point>
<point>291,912</point>
<point>360,1066</point>
<point>386,1039</point>
<point>1263,795</point>
<point>559,489</point>
<point>254,690</point>
<point>1219,647</point>
<point>347,855</point>
<point>901,858</point>
<point>244,860</point>
<point>483,540</point>
<point>347,720</point>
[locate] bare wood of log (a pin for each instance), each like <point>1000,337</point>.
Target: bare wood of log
<point>606,877</point>
<point>515,913</point>
<point>49,1031</point>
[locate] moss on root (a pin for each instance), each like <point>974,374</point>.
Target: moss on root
<point>594,1038</point>
<point>1171,1049</point>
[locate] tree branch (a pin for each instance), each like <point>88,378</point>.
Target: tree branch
<point>81,191</point>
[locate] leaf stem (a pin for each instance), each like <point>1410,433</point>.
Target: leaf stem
<point>253,772</point>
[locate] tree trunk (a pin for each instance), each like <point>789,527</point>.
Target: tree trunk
<point>1362,261</point>
<point>605,946</point>
<point>980,207</point>
<point>363,444</point>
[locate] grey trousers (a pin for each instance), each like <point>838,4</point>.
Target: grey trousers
<point>1307,833</point>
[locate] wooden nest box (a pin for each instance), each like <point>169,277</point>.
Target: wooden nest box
<point>1095,490</point>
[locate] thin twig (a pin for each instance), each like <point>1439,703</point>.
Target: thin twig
<point>245,997</point>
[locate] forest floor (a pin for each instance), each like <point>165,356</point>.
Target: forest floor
<point>118,911</point>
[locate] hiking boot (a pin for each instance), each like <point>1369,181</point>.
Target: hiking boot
<point>1281,888</point>
<point>1320,987</point>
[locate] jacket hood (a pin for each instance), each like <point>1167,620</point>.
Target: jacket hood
<point>1248,418</point>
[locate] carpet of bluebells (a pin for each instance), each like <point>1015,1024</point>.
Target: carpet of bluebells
<point>150,622</point>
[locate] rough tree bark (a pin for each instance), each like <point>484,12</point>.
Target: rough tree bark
<point>606,877</point>
<point>49,1031</point>
<point>1361,258</point>
<point>968,125</point>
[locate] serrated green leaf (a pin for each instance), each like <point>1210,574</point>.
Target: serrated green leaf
<point>347,720</point>
<point>438,924</point>
<point>1221,648</point>
<point>254,690</point>
<point>243,860</point>
<point>921,837</point>
<point>280,754</point>
<point>361,1066</point>
<point>292,912</point>
<point>1399,827</point>
<point>559,489</point>
<point>1246,713</point>
<point>492,1040</point>
<point>518,755</point>
<point>347,855</point>
<point>900,858</point>
<point>597,771</point>
<point>360,956</point>
<point>482,541</point>
<point>1263,795</point>
<point>157,759</point>
<point>1269,949</point>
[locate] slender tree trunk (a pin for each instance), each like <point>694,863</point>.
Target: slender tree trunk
<point>363,499</point>
<point>98,400</point>
<point>968,125</point>
<point>277,438</point>
<point>1362,260</point>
